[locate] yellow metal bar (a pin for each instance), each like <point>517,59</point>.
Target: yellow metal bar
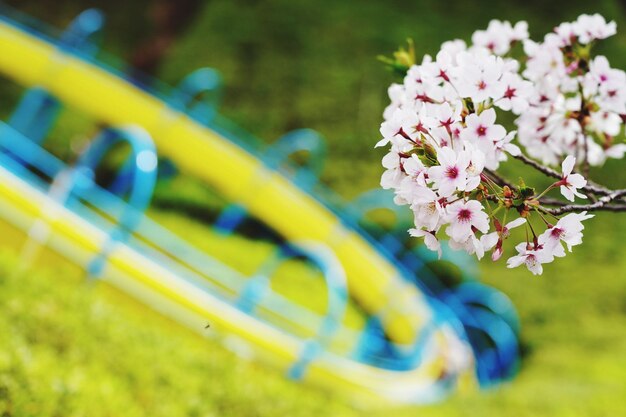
<point>205,154</point>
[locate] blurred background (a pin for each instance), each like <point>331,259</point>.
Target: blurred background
<point>71,349</point>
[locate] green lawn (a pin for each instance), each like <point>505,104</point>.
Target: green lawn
<point>68,345</point>
<point>67,348</point>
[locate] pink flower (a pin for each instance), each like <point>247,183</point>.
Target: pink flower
<point>402,127</point>
<point>500,35</point>
<point>430,240</point>
<point>591,27</point>
<point>472,245</point>
<point>464,216</point>
<point>445,115</point>
<point>442,134</point>
<point>482,132</point>
<point>440,68</point>
<point>502,146</point>
<point>480,77</point>
<point>475,168</point>
<point>532,258</point>
<point>568,229</point>
<point>600,71</point>
<point>516,93</point>
<point>427,208</point>
<point>498,237</point>
<point>450,176</point>
<point>421,89</point>
<point>415,169</point>
<point>570,183</point>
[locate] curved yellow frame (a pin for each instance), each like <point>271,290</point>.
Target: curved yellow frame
<point>205,154</point>
<point>29,209</point>
<point>237,174</point>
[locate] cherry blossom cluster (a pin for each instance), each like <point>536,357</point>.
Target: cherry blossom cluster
<point>578,100</point>
<point>446,144</point>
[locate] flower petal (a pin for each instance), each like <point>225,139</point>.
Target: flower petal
<point>568,165</point>
<point>567,193</point>
<point>515,223</point>
<point>576,180</point>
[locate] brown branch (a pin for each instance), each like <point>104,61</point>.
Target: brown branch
<point>603,203</point>
<point>547,201</point>
<point>600,188</point>
<point>590,207</point>
<point>614,207</point>
<point>541,168</point>
<point>590,188</point>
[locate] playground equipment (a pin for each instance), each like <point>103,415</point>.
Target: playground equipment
<point>423,338</point>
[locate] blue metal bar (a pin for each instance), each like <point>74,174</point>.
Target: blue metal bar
<point>475,293</point>
<point>463,299</point>
<point>198,95</point>
<point>337,295</point>
<point>498,355</point>
<point>35,114</point>
<point>82,33</point>
<point>300,140</point>
<point>141,184</point>
<point>38,110</point>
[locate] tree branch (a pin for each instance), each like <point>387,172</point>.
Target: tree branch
<point>591,186</point>
<point>547,201</point>
<point>600,189</point>
<point>603,203</point>
<point>541,168</point>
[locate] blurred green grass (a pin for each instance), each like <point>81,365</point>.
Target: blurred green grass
<point>70,350</point>
<point>309,64</point>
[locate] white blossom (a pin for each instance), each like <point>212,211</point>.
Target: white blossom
<point>499,36</point>
<point>570,183</point>
<point>591,27</point>
<point>568,229</point>
<point>451,173</point>
<point>532,258</point>
<point>463,217</point>
<point>496,239</point>
<point>446,140</point>
<point>430,240</point>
